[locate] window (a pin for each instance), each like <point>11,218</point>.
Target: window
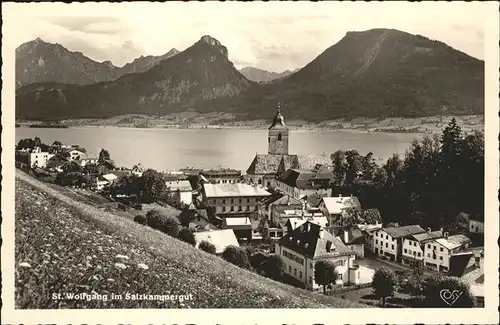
<point>441,249</point>
<point>414,253</point>
<point>248,208</point>
<point>300,274</point>
<point>434,247</point>
<point>386,237</point>
<point>440,258</point>
<point>248,200</point>
<point>376,241</point>
<point>310,280</point>
<point>295,272</point>
<point>386,245</point>
<point>406,251</point>
<point>256,208</point>
<point>280,137</point>
<point>232,208</point>
<point>240,200</point>
<point>428,255</point>
<point>340,276</point>
<point>289,269</point>
<point>231,201</point>
<point>223,201</point>
<point>428,246</point>
<point>418,254</point>
<point>392,246</point>
<point>223,209</point>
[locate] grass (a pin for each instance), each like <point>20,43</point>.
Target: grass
<point>65,246</point>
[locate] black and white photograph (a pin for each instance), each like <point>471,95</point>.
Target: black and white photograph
<point>247,156</point>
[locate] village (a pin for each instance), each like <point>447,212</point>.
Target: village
<point>283,208</point>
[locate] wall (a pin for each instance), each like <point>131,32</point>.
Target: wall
<point>224,205</point>
<point>476,227</point>
<point>40,159</point>
<point>442,255</point>
<point>186,197</point>
<point>359,250</point>
<point>413,250</point>
<point>384,242</point>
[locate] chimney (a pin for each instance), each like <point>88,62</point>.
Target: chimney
<point>340,196</point>
<point>428,229</point>
<point>346,236</point>
<point>321,233</point>
<point>445,235</point>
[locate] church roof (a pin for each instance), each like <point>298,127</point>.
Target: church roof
<point>264,164</point>
<point>278,120</point>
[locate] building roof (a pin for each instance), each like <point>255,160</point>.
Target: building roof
<point>304,161</point>
<point>238,223</point>
<point>219,238</point>
<point>121,173</point>
<point>295,222</point>
<point>278,120</point>
<point>314,199</point>
<point>233,190</point>
<point>453,241</point>
<point>264,164</point>
<point>428,236</point>
<point>280,199</point>
<point>313,241</point>
<point>403,231</point>
<point>337,204</point>
<point>354,236</point>
<point>110,177</point>
<point>179,185</point>
<point>306,178</point>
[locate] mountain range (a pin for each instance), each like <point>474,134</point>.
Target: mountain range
<point>375,73</point>
<point>259,75</point>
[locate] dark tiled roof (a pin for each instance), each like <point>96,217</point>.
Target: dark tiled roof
<point>270,199</point>
<point>354,236</point>
<point>428,236</point>
<point>305,241</point>
<point>459,263</point>
<point>222,171</point>
<point>403,231</point>
<point>264,164</point>
<point>306,178</point>
<point>315,199</point>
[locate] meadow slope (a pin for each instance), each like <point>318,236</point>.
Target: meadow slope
<point>62,245</point>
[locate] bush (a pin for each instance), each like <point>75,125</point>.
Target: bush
<point>236,256</point>
<point>138,206</point>
<point>187,235</point>
<point>383,283</point>
<point>140,218</point>
<point>434,287</point>
<point>274,268</point>
<point>157,220</point>
<point>207,247</point>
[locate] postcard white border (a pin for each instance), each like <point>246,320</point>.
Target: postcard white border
<point>489,314</point>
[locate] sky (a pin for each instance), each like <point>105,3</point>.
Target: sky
<point>274,36</point>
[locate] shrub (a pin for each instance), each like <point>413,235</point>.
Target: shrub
<point>187,235</point>
<point>433,289</point>
<point>140,218</point>
<point>236,256</point>
<point>157,220</point>
<point>207,247</point>
<point>325,274</point>
<point>274,268</point>
<point>138,206</point>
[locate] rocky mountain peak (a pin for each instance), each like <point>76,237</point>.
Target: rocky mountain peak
<point>207,39</point>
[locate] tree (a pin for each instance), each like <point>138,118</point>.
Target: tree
<point>166,224</point>
<point>325,274</point>
<point>437,289</point>
<point>274,267</point>
<point>186,216</point>
<point>153,186</point>
<point>263,228</point>
<point>104,155</point>
<point>383,283</point>
<point>339,167</point>
<point>57,143</point>
<point>207,247</point>
<point>187,235</point>
<point>236,256</point>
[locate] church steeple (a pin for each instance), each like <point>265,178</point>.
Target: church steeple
<point>278,119</point>
<point>278,135</point>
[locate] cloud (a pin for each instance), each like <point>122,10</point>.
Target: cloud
<point>90,25</point>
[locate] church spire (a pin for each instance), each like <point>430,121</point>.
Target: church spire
<point>278,119</point>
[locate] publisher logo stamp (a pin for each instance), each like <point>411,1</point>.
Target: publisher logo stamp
<point>450,297</point>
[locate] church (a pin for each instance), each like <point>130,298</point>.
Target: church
<point>265,168</point>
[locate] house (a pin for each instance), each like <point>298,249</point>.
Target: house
<point>56,162</point>
<point>308,244</point>
<point>219,238</point>
<point>98,183</point>
<point>476,224</point>
<point>242,227</point>
<point>200,221</point>
<point>368,232</point>
<point>388,242</point>
<point>333,207</point>
<point>438,252</point>
<point>353,238</point>
<point>88,161</point>
<point>294,222</point>
<point>180,191</point>
<point>313,200</point>
<point>105,166</point>
<point>222,176</point>
<point>413,246</point>
<point>234,199</point>
<point>301,214</point>
<point>74,153</point>
<point>270,207</point>
<point>299,183</point>
<point>34,158</point>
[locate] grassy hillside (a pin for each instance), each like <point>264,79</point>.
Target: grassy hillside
<point>63,245</point>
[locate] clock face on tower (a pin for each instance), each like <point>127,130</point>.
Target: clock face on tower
<point>279,144</point>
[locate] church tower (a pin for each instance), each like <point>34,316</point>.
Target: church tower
<point>278,135</point>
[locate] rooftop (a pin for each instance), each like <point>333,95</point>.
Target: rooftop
<point>233,190</point>
<point>312,241</point>
<point>219,238</point>
<point>428,236</point>
<point>337,204</point>
<point>221,171</point>
<point>403,231</point>
<point>453,241</point>
<point>180,185</point>
<point>307,178</point>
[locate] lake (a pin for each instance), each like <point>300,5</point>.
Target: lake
<point>171,149</point>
